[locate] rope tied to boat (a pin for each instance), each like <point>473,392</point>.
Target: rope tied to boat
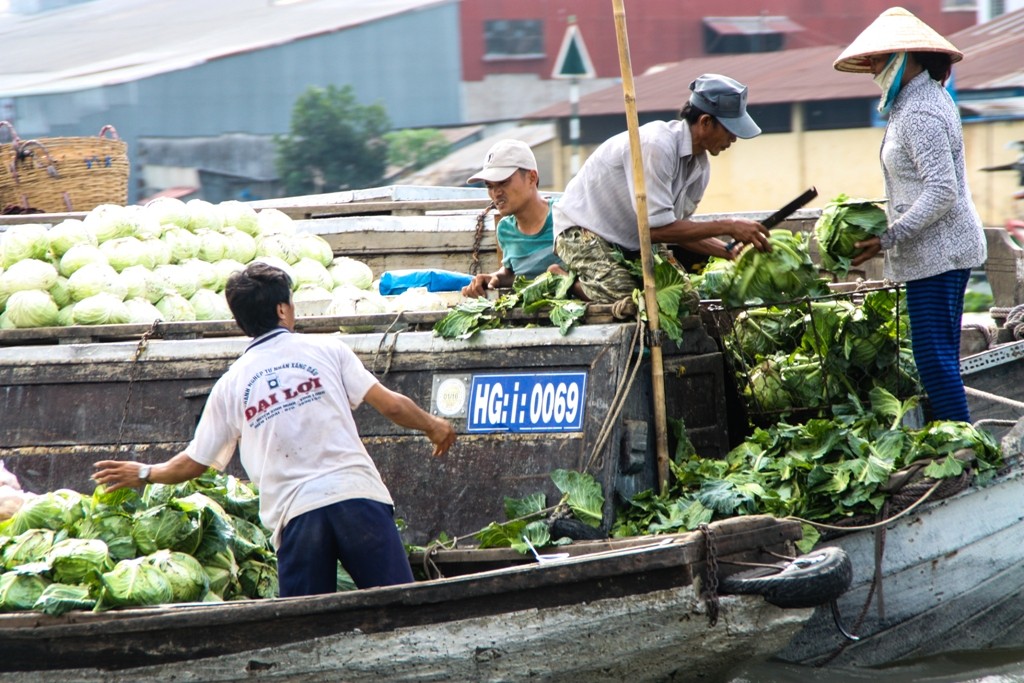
<point>478,238</point>
<point>709,591</point>
<point>1015,321</point>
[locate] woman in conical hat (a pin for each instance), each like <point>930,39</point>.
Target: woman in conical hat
<point>934,237</point>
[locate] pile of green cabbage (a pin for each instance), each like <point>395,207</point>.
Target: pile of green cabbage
<point>785,273</point>
<point>822,352</point>
<point>843,223</point>
<point>168,260</point>
<point>201,541</point>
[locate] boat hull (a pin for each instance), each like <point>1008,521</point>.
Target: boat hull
<point>951,579</point>
<point>649,637</point>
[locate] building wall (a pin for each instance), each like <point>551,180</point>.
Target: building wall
<point>659,31</point>
<point>410,63</point>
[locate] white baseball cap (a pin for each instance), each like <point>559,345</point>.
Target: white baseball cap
<point>503,159</point>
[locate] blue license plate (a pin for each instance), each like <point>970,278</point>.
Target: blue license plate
<point>542,402</point>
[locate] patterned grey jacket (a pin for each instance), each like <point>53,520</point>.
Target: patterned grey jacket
<point>933,225</point>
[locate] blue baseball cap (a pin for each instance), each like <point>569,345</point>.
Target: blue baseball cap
<point>726,100</point>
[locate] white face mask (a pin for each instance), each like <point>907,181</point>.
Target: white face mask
<point>890,79</point>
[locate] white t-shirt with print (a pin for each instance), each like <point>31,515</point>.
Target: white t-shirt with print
<point>287,403</point>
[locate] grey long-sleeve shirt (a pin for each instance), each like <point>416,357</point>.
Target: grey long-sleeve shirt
<point>933,224</point>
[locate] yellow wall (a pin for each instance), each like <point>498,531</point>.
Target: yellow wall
<point>764,173</point>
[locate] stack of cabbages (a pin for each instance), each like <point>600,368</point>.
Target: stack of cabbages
<point>169,261</point>
<point>201,541</point>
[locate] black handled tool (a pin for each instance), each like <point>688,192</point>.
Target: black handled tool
<point>783,213</point>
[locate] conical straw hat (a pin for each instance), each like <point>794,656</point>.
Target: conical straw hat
<point>895,30</point>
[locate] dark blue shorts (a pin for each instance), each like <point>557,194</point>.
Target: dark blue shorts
<point>359,533</point>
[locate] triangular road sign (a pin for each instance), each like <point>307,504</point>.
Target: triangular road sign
<point>573,60</point>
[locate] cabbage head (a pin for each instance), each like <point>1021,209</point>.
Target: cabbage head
<point>60,292</point>
<point>61,598</point>
<point>123,252</point>
<point>213,245</point>
<point>241,246</point>
<point>110,221</point>
<point>349,271</point>
<point>168,211</point>
<point>307,271</point>
<point>93,279</point>
<point>239,216</point>
<point>78,560</point>
<point>21,587</point>
<point>785,273</point>
<point>315,247</point>
<point>54,510</point>
<point>65,316</point>
<point>205,272</point>
<point>189,583</point>
<point>100,309</point>
<point>166,527</point>
<point>222,571</point>
<point>210,305</point>
<point>272,221</point>
<point>134,582</point>
<point>141,311</point>
<point>23,241</point>
<point>80,255</point>
<point>155,252</point>
<point>31,308</point>
<point>202,215</point>
<point>843,223</point>
<point>279,245</point>
<point>136,281</point>
<point>258,579</point>
<point>180,279</point>
<point>67,234</point>
<point>349,301</point>
<point>174,307</point>
<point>28,547</point>
<point>27,274</point>
<point>184,244</point>
<point>113,527</point>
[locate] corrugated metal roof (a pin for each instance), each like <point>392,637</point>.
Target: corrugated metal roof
<point>116,41</point>
<point>736,26</point>
<point>994,58</point>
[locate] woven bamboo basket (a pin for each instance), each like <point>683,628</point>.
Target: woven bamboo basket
<point>64,173</point>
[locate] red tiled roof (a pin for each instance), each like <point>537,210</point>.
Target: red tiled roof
<point>994,58</point>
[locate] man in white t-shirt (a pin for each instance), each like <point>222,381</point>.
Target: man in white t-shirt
<point>287,404</point>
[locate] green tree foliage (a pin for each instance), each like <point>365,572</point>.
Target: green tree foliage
<point>415,148</point>
<point>335,143</point>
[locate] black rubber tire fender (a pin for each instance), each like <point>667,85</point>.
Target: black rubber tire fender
<point>816,578</point>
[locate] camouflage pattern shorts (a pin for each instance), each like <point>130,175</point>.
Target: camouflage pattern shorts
<point>600,274</point>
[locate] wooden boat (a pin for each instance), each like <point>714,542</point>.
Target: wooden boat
<point>947,576</point>
<point>606,612</point>
<point>950,565</point>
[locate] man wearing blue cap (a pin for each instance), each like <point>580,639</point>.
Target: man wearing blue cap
<point>596,216</point>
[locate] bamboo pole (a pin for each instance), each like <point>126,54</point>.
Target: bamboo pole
<point>646,252</point>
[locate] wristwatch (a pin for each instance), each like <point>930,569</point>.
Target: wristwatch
<point>144,472</point>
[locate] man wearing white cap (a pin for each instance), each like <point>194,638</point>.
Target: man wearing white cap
<point>525,231</point>
<point>596,215</point>
<point>934,237</point>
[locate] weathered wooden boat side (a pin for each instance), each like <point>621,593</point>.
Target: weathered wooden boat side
<point>614,608</point>
<point>67,405</point>
<point>949,577</point>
